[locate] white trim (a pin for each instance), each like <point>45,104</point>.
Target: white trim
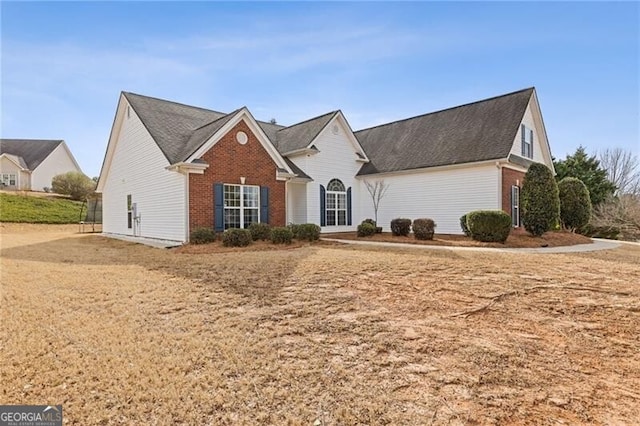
<point>245,115</point>
<point>186,168</point>
<point>498,162</point>
<point>113,139</point>
<point>537,115</point>
<point>302,151</point>
<point>8,157</point>
<point>352,138</point>
<point>187,220</point>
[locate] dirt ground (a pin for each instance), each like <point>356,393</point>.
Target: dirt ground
<point>120,333</point>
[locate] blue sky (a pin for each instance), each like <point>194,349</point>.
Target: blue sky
<point>64,64</point>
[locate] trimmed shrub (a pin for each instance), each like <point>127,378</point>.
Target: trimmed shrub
<point>294,229</point>
<point>575,203</point>
<point>236,237</point>
<point>400,227</point>
<point>371,221</point>
<point>202,236</point>
<point>539,200</point>
<point>463,225</point>
<point>423,229</point>
<point>308,232</point>
<point>489,225</point>
<point>378,229</point>
<point>365,229</point>
<point>260,231</point>
<point>281,235</point>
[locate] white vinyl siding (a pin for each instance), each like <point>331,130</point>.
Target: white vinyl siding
<point>296,202</point>
<point>442,195</point>
<point>56,163</point>
<point>9,167</point>
<point>530,123</point>
<point>138,168</point>
<point>336,160</point>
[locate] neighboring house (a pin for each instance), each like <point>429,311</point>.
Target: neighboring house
<point>29,164</point>
<point>170,168</point>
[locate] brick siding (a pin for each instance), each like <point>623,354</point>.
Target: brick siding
<point>228,161</point>
<point>510,177</point>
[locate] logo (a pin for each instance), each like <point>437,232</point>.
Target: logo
<point>30,415</point>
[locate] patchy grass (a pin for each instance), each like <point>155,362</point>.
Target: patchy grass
<point>38,209</point>
<point>517,239</point>
<point>122,333</point>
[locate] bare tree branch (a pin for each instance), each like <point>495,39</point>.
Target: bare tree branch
<point>377,190</point>
<point>623,170</point>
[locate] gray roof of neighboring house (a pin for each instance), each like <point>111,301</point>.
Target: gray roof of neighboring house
<point>483,130</point>
<point>300,135</point>
<point>32,152</point>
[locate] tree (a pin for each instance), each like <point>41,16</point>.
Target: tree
<point>623,170</point>
<point>589,171</point>
<point>621,214</point>
<point>540,200</point>
<point>76,185</point>
<point>575,204</point>
<point>377,190</point>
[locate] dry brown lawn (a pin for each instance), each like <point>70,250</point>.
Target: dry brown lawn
<point>328,335</point>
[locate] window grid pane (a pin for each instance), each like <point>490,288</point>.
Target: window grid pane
<point>342,217</point>
<point>250,196</point>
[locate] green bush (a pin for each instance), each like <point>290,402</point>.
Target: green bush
<point>260,231</point>
<point>308,232</point>
<point>400,227</point>
<point>463,225</point>
<point>366,229</point>
<point>575,203</point>
<point>235,237</point>
<point>281,235</point>
<point>370,221</point>
<point>489,225</point>
<point>596,231</point>
<point>423,229</point>
<point>76,185</point>
<point>294,229</point>
<point>539,200</point>
<point>202,236</point>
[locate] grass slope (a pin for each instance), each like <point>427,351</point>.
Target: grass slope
<point>27,209</point>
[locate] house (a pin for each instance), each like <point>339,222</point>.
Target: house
<point>170,168</point>
<point>29,164</point>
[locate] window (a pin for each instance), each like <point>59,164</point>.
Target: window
<point>336,205</point>
<point>241,205</point>
<point>129,212</point>
<point>527,141</point>
<point>8,179</point>
<point>515,206</point>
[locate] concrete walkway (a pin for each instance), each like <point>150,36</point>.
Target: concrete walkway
<point>152,242</point>
<point>596,245</point>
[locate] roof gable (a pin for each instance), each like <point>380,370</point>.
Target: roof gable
<point>479,131</point>
<point>301,135</point>
<point>32,151</point>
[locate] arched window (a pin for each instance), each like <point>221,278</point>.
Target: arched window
<point>336,205</point>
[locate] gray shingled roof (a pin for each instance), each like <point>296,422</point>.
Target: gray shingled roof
<point>300,135</point>
<point>172,124</point>
<point>31,151</point>
<point>483,130</point>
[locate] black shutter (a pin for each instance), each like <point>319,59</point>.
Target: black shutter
<point>218,207</point>
<point>264,204</point>
<point>523,138</point>
<point>349,206</point>
<point>531,149</point>
<point>323,213</point>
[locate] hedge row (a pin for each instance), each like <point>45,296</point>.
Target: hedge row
<point>257,231</point>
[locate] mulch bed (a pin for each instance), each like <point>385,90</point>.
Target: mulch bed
<point>517,239</point>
